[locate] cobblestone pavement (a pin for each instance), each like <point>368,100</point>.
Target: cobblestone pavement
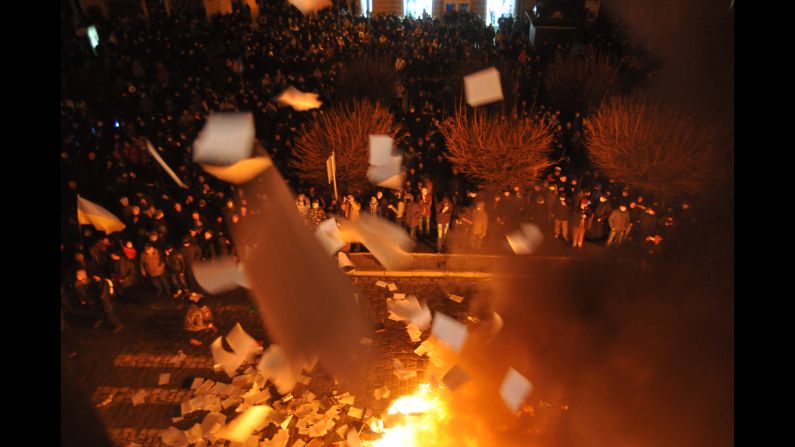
<point>120,365</point>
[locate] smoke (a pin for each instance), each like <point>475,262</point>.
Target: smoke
<point>693,41</point>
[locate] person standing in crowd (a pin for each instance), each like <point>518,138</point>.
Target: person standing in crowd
<point>561,212</point>
<point>153,267</point>
<point>425,203</point>
<point>619,224</point>
<point>374,209</point>
<point>351,208</point>
<point>598,229</point>
<point>580,223</point>
<point>316,214</point>
<point>107,292</point>
<point>176,272</point>
<point>397,209</point>
<point>412,216</point>
<point>123,274</point>
<point>303,205</point>
<point>444,212</point>
<point>480,225</point>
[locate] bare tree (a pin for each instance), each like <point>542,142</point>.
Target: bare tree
<point>660,150</point>
<point>344,129</point>
<point>579,82</point>
<point>495,149</point>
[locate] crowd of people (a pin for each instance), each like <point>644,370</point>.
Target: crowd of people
<point>156,79</point>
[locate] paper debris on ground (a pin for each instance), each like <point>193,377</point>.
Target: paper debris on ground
<point>139,397</point>
<point>526,240</point>
<point>213,422</point>
<point>381,393</point>
<point>174,437</point>
<point>449,331</point>
<point>194,434</point>
<point>514,388</point>
<point>399,296</point>
<point>298,100</point>
<point>392,287</point>
<point>342,430</point>
<point>355,413</point>
<point>410,309</point>
<point>483,87</point>
<point>456,377</point>
<point>225,139</point>
<point>346,399</point>
<point>241,172</point>
<point>380,284</point>
<point>456,298</point>
<point>163,379</point>
<point>241,427</point>
<point>179,358</point>
<point>353,439</point>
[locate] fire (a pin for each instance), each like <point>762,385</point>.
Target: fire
<point>412,421</point>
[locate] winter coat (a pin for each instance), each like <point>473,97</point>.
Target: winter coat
<point>480,222</point>
<point>152,264</point>
<point>175,262</point>
<point>413,215</point>
<point>425,205</point>
<point>618,220</point>
<point>561,211</point>
<point>444,212</point>
<point>124,273</point>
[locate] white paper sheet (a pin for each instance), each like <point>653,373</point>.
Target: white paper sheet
<point>456,298</point>
<point>242,343</point>
<point>380,284</point>
<point>380,149</point>
<point>229,361</point>
<point>174,437</point>
<point>483,87</point>
<point>526,240</point>
<point>392,287</point>
<point>352,439</point>
<point>225,139</point>
<point>275,366</point>
<point>386,241</point>
<point>163,379</point>
<point>219,275</point>
<point>449,331</point>
<point>387,174</point>
<point>329,236</point>
<point>381,393</point>
<point>514,389</point>
<point>139,397</point>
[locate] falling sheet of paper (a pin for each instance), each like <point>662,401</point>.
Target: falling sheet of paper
<point>275,366</point>
<point>456,298</point>
<point>409,309</point>
<point>213,422</point>
<point>298,100</point>
<point>225,139</point>
<point>380,149</point>
<point>329,236</point>
<point>309,6</point>
<point>526,240</point>
<point>174,437</point>
<point>483,87</point>
<point>388,175</point>
<point>139,397</point>
<point>309,317</point>
<point>219,275</point>
<point>243,426</point>
<point>163,164</point>
<point>392,287</point>
<point>514,389</point>
<point>355,413</point>
<point>345,262</point>
<point>456,377</point>
<point>229,361</point>
<point>449,331</point>
<point>241,172</point>
<point>164,379</point>
<point>242,343</point>
<point>387,242</point>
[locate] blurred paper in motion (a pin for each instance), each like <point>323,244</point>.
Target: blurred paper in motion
<point>225,139</point>
<point>483,87</point>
